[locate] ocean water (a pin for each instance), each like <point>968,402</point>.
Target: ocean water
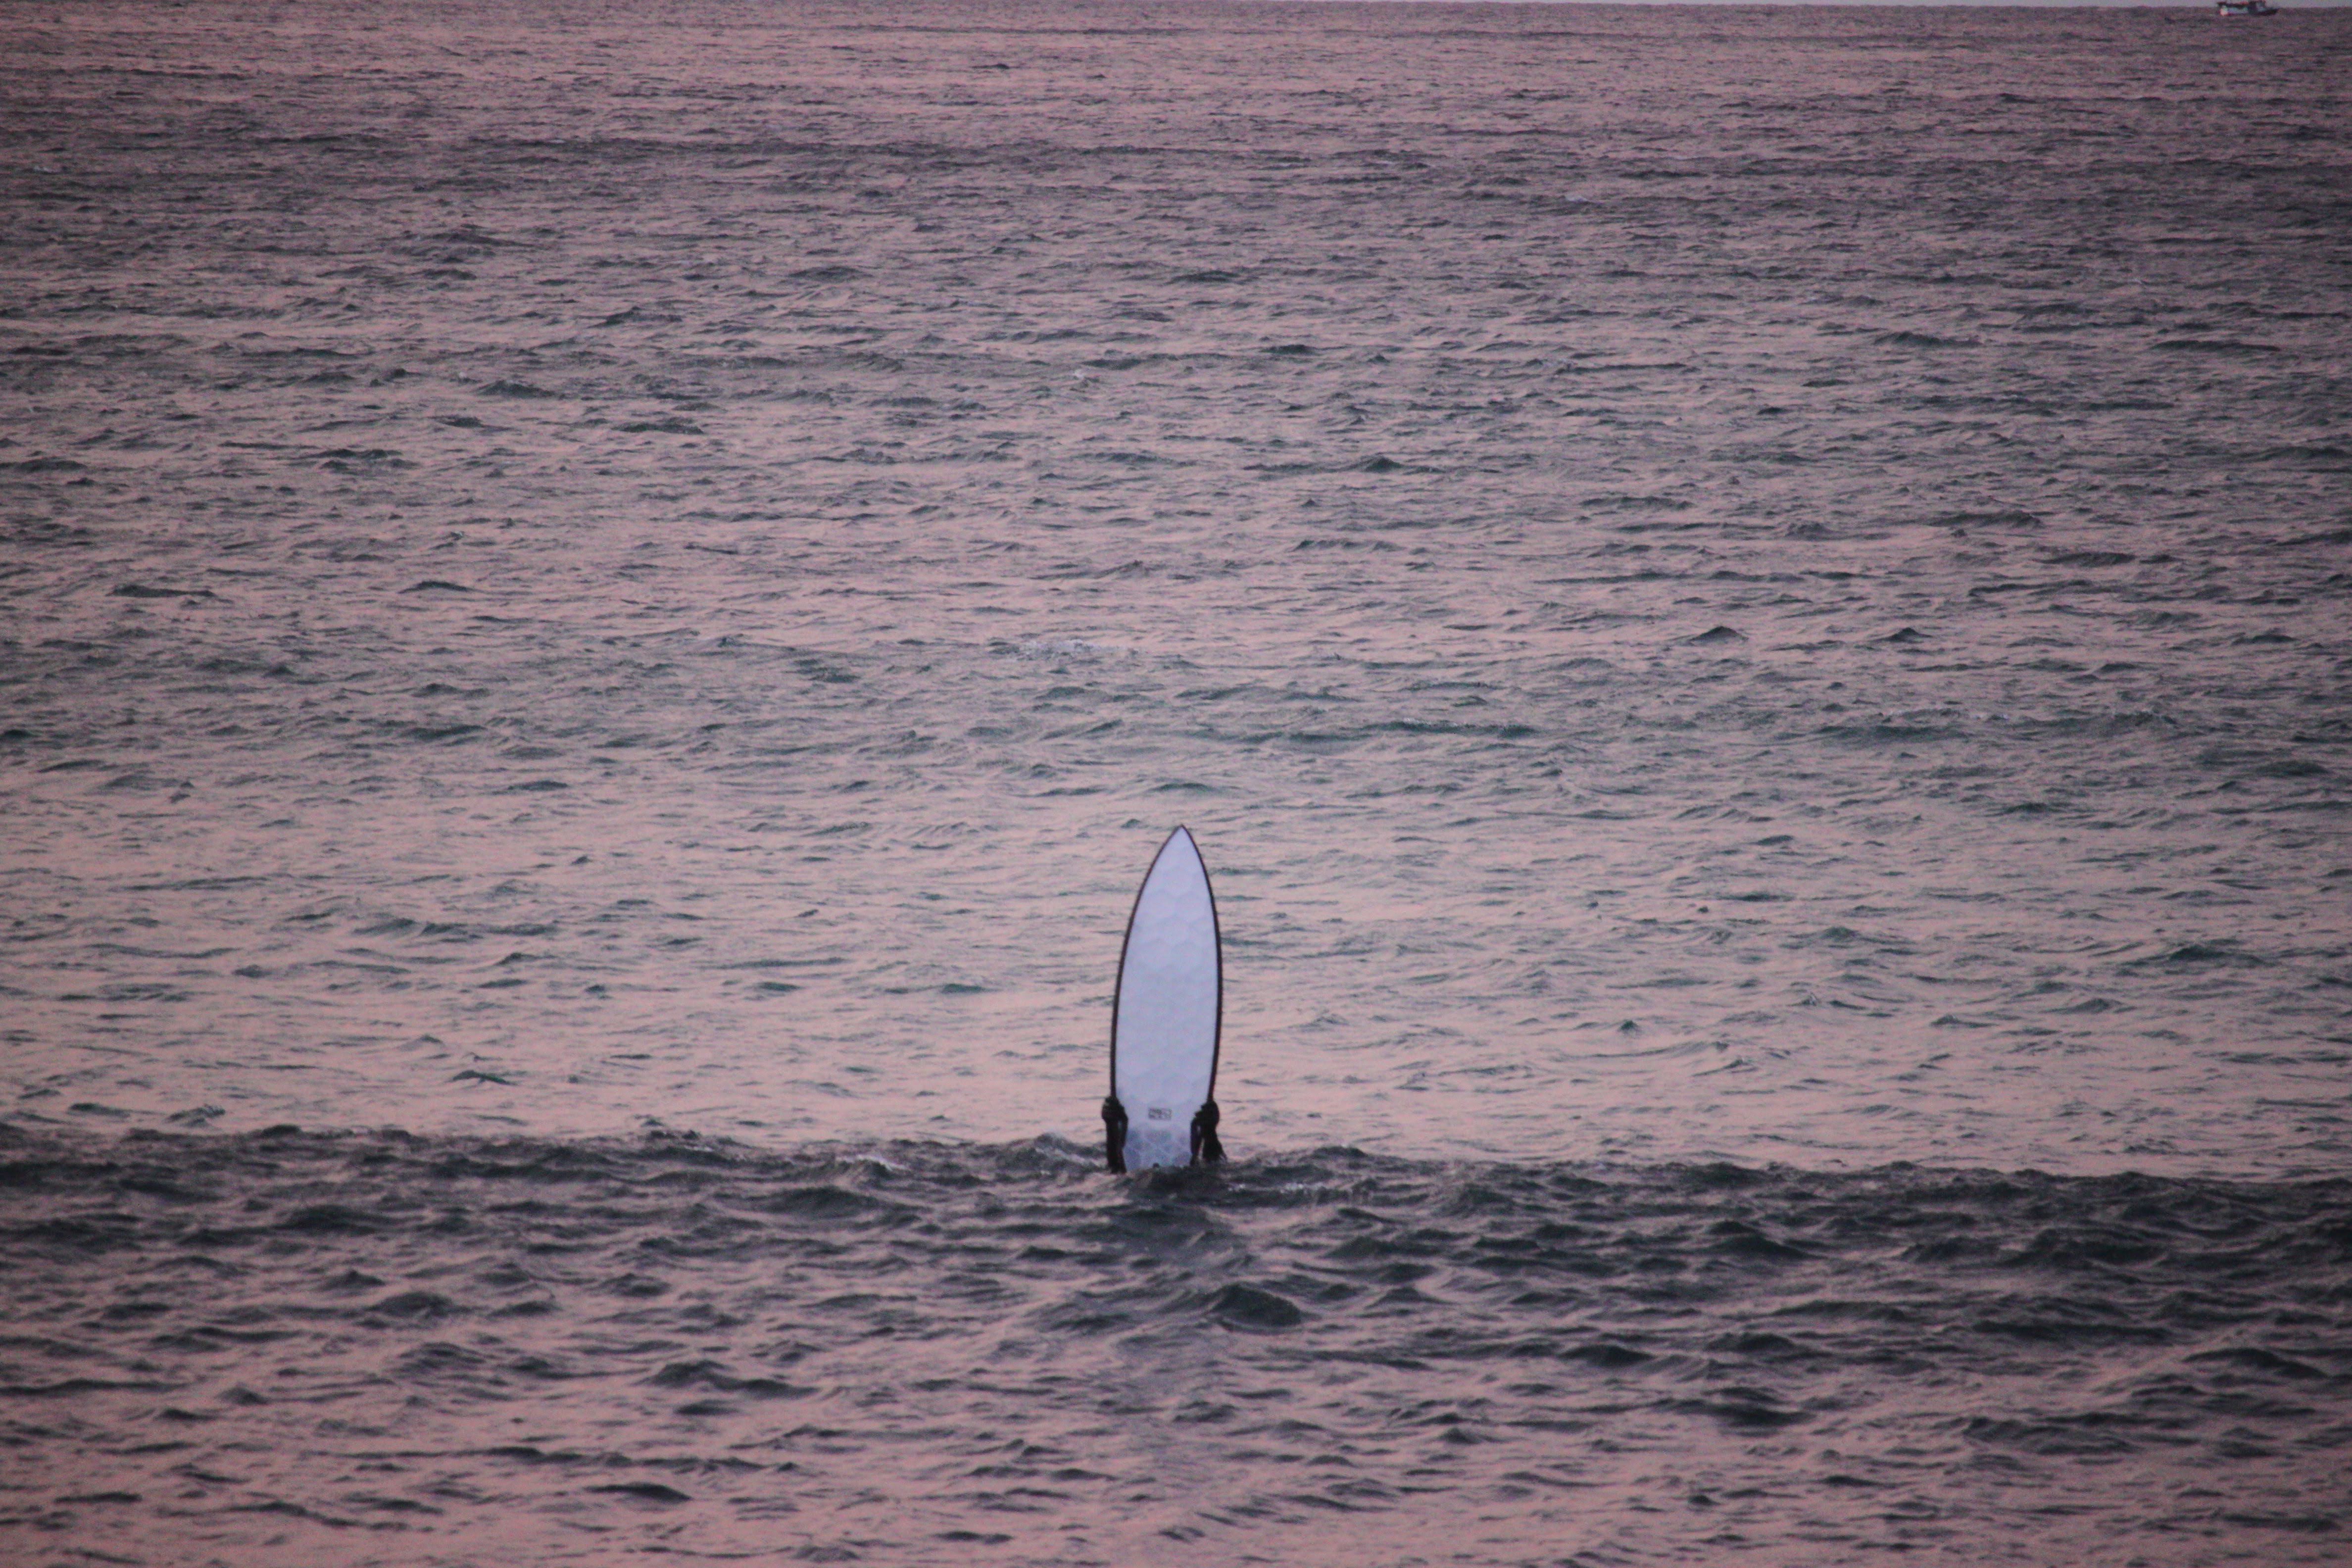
<point>297,1347</point>
<point>601,608</point>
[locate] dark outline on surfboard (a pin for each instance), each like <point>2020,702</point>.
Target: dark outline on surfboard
<point>1216,942</point>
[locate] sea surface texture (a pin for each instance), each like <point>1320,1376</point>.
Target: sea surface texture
<point>602,608</point>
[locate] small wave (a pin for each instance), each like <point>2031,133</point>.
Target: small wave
<point>2227,347</point>
<point>1885,734</point>
<point>678,1278</point>
<point>2223,953</point>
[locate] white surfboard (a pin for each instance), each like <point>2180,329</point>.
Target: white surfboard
<point>1169,1009</point>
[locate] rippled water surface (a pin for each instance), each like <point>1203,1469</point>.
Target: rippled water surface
<point>263,1348</point>
<point>630,590</point>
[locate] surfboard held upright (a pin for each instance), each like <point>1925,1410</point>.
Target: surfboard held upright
<point>1166,1019</point>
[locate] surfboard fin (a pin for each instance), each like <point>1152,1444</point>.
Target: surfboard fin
<point>1206,1150</point>
<point>1115,1135</point>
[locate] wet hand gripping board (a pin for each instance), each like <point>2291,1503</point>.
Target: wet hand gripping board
<point>1167,1014</point>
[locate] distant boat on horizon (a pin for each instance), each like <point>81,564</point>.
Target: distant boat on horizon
<point>2244,8</point>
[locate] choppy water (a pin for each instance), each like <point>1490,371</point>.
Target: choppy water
<point>256,1349</point>
<point>1717,584</point>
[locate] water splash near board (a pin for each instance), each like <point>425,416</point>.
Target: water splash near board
<point>1168,1013</point>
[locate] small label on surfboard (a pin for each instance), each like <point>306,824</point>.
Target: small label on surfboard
<point>1160,1113</point>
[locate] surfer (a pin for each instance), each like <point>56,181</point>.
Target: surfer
<point>1205,1147</point>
